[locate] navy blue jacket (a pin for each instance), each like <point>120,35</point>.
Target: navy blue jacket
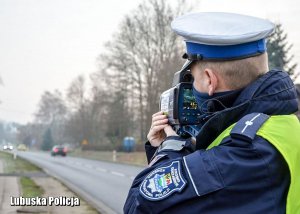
<point>237,176</point>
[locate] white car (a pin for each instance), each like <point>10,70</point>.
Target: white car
<point>8,147</point>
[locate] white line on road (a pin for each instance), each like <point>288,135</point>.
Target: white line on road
<point>117,173</point>
<point>101,169</point>
<point>77,163</point>
<point>88,166</point>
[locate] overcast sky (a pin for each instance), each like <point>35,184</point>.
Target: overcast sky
<point>44,44</point>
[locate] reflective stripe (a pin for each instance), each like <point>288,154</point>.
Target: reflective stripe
<point>187,168</point>
<point>175,145</point>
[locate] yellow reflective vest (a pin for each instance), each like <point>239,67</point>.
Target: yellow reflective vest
<point>283,132</point>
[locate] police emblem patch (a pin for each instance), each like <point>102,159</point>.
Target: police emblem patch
<point>162,182</point>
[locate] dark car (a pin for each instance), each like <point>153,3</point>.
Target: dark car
<point>59,150</point>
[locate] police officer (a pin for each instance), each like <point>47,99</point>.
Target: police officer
<point>247,155</point>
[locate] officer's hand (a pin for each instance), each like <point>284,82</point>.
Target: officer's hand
<point>160,129</point>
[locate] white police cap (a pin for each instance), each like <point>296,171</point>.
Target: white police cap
<point>222,36</point>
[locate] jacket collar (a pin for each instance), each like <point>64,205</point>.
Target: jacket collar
<point>273,94</point>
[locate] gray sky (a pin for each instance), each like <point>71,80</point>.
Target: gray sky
<point>47,43</point>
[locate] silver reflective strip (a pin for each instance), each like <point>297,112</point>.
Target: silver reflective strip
<point>190,176</point>
<point>175,145</point>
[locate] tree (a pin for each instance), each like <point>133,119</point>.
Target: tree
<point>77,125</point>
<point>8,132</point>
<point>86,107</point>
<point>52,113</point>
<point>51,108</point>
<point>31,134</point>
<point>76,94</point>
<point>119,119</point>
<point>142,58</point>
<point>47,140</point>
<point>278,51</point>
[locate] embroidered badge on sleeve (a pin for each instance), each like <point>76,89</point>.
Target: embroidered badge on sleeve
<point>162,182</point>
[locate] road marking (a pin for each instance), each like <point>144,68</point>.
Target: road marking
<point>117,173</point>
<point>88,166</point>
<point>101,169</point>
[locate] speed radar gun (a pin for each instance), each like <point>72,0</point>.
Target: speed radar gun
<point>179,104</point>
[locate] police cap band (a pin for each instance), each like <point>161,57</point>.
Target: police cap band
<point>222,36</point>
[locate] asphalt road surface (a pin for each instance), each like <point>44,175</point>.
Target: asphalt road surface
<point>105,185</point>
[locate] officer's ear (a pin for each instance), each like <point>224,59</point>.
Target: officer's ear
<point>212,80</point>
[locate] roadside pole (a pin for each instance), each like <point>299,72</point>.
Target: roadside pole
<point>15,154</point>
<point>114,156</point>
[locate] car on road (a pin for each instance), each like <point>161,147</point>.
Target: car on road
<point>8,147</point>
<point>21,147</point>
<point>59,150</point>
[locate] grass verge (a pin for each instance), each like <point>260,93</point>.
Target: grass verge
<point>133,158</point>
<point>19,165</point>
<point>30,188</point>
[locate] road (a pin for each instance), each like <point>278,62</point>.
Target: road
<point>105,185</point>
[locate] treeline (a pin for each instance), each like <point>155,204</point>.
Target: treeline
<point>119,99</point>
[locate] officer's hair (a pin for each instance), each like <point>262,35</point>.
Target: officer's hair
<point>238,73</point>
